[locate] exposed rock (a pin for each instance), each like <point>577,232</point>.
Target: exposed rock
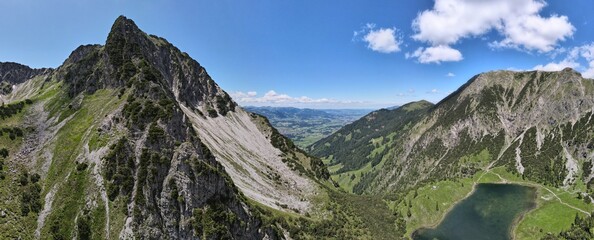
<point>15,73</point>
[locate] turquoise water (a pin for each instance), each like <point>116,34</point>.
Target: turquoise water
<point>488,214</point>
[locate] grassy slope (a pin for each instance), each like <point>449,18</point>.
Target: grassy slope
<point>13,225</point>
<point>70,140</point>
<point>347,180</point>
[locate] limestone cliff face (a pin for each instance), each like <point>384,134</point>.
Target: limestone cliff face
<point>15,73</point>
<point>12,74</point>
<point>536,123</point>
<point>133,139</point>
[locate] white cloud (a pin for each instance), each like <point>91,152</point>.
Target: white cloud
<point>574,58</point>
<point>536,33</point>
<point>272,97</point>
<point>240,95</point>
<point>589,73</point>
<point>434,91</point>
<point>518,21</point>
<point>383,40</point>
<point>587,52</point>
<point>363,30</point>
<point>557,66</point>
<point>450,74</point>
<point>436,54</point>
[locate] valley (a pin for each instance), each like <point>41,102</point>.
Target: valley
<point>307,126</point>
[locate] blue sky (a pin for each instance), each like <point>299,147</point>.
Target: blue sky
<point>323,54</point>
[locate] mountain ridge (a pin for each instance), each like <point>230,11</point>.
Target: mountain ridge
<point>494,108</point>
<point>138,153</point>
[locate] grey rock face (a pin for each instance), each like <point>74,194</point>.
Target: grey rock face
<point>15,73</point>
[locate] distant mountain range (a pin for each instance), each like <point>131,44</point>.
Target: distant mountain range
<point>305,126</point>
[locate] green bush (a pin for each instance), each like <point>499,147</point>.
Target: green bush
<point>83,224</point>
<point>31,199</point>
<point>119,169</point>
<point>3,153</point>
<point>155,133</point>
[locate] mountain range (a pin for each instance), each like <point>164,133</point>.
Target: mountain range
<point>532,128</point>
<point>133,139</point>
<point>533,123</point>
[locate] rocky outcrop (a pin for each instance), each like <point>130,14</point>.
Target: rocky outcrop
<point>12,74</point>
<point>15,73</point>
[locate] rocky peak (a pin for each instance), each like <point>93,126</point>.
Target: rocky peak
<point>131,56</point>
<point>123,25</point>
<point>15,73</point>
<point>80,53</point>
<point>126,41</point>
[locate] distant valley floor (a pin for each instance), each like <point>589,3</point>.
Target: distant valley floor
<point>307,126</point>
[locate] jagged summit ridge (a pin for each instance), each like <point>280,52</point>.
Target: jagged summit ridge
<point>122,24</point>
<point>15,73</point>
<point>155,145</point>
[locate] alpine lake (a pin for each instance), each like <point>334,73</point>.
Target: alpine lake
<point>489,213</point>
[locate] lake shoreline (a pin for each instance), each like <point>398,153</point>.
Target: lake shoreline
<point>445,212</point>
<point>531,204</point>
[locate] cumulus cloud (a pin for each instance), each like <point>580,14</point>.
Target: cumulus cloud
<point>587,52</point>
<point>240,95</point>
<point>589,73</point>
<point>272,97</point>
<point>450,74</point>
<point>434,91</point>
<point>557,66</point>
<point>580,58</point>
<point>518,21</point>
<point>383,40</point>
<point>436,54</point>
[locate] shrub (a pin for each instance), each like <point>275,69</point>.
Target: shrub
<point>3,153</point>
